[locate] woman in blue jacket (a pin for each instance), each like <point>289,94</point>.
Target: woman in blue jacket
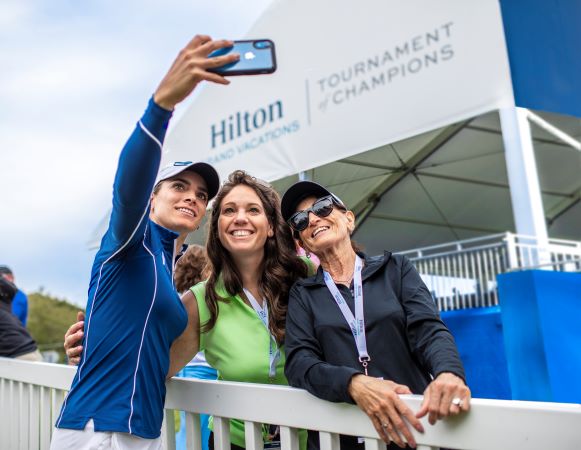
<point>133,310</point>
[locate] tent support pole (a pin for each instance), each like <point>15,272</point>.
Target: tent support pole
<point>521,167</point>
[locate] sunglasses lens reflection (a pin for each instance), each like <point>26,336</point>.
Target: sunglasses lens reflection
<point>321,208</point>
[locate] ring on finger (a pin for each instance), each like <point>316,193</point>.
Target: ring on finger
<point>387,426</point>
<point>457,401</point>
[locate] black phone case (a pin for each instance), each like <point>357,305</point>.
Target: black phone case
<point>231,70</point>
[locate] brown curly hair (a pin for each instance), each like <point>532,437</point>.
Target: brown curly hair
<point>280,268</point>
<point>191,268</point>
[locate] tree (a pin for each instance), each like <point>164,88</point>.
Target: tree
<point>48,320</point>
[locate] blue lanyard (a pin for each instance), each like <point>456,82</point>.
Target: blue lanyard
<point>273,350</point>
<point>357,323</point>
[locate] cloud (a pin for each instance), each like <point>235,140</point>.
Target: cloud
<point>75,78</point>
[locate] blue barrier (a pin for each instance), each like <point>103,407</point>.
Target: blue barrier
<point>478,335</point>
<point>541,316</point>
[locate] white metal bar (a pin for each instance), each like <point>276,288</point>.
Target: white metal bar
<point>4,422</point>
<point>289,438</point>
<point>455,275</point>
<point>494,272</point>
<point>494,237</point>
<point>521,167</point>
<point>24,413</point>
<point>13,408</point>
<point>487,279</point>
<point>45,418</point>
<point>552,129</point>
<point>253,435</point>
<point>57,399</point>
<point>477,290</point>
<point>462,272</point>
<point>34,420</point>
<point>193,431</point>
<point>468,296</point>
<point>328,441</point>
<point>221,433</point>
<point>448,270</point>
<point>168,429</point>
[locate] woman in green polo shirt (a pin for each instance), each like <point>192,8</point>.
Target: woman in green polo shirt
<point>238,314</point>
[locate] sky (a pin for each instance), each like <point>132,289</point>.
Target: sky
<point>74,79</point>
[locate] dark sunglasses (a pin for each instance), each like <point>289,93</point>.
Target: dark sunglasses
<point>299,221</point>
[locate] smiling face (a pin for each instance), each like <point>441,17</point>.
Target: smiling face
<point>325,233</point>
<point>243,225</point>
<point>180,202</point>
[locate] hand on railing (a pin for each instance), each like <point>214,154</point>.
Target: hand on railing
<point>447,395</point>
<point>73,337</point>
<point>379,399</point>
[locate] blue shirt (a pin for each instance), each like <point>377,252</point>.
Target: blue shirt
<point>20,306</point>
<point>133,311</point>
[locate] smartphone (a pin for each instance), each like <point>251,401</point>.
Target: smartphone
<point>257,56</point>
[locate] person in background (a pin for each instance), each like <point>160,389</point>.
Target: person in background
<point>15,341</point>
<point>134,313</point>
<point>365,329</point>
<point>191,269</point>
<point>20,301</point>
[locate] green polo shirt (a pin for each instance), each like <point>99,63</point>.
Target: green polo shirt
<point>238,347</point>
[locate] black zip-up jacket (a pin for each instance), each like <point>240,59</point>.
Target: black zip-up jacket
<point>14,338</point>
<point>406,339</point>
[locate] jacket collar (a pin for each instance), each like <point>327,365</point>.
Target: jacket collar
<point>372,265</point>
<point>167,237</point>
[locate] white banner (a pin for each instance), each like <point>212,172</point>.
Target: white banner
<point>351,76</point>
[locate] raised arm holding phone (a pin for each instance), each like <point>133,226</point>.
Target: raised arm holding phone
<point>133,312</point>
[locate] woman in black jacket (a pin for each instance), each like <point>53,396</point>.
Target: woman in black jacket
<point>15,341</point>
<point>365,329</point>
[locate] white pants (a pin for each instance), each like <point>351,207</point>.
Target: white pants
<point>89,439</point>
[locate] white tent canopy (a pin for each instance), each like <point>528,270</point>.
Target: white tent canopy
<point>393,106</point>
<point>351,77</point>
<point>451,184</point>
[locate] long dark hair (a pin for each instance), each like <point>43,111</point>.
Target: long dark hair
<point>191,268</point>
<point>280,268</point>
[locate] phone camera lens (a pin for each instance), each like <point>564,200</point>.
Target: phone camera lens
<point>262,44</point>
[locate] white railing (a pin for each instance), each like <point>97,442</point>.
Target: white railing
<point>463,274</point>
<point>31,395</point>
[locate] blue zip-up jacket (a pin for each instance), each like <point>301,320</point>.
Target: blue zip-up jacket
<point>20,306</point>
<point>133,311</point>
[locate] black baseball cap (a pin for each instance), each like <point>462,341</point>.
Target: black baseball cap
<point>5,270</point>
<point>298,192</point>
